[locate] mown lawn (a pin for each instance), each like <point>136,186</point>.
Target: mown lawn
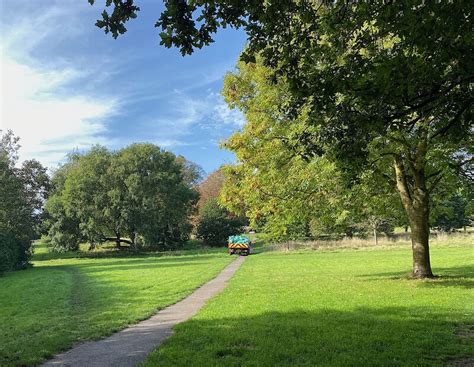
<point>346,308</point>
<point>59,302</point>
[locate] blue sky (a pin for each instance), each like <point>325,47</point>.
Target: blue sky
<point>66,85</point>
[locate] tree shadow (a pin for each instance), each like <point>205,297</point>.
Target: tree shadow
<point>361,337</point>
<point>456,276</point>
<point>91,305</point>
<point>120,254</point>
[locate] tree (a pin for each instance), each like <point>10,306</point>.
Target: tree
<point>288,195</point>
<point>63,226</point>
<point>192,172</point>
<point>392,80</point>
<point>22,192</point>
<point>216,224</point>
<point>211,187</point>
<point>36,183</point>
<point>139,193</point>
<point>153,192</point>
<point>451,214</point>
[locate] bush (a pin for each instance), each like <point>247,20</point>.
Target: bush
<point>62,242</point>
<point>14,254</point>
<point>216,224</point>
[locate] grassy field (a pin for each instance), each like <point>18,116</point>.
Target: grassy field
<point>334,308</point>
<point>67,298</point>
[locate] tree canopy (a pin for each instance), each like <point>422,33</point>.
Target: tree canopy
<point>286,194</point>
<point>216,223</point>
<point>210,187</point>
<point>137,195</point>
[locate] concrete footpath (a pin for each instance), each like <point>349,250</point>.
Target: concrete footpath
<point>130,346</point>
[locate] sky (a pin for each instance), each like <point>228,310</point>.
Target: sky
<point>65,85</point>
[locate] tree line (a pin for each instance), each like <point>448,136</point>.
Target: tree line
<point>137,197</point>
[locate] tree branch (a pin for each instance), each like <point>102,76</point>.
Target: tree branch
<point>453,121</point>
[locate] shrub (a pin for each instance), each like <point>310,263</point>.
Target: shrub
<point>62,242</point>
<point>216,224</point>
<point>9,252</point>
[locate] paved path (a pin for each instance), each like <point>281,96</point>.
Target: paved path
<point>130,346</point>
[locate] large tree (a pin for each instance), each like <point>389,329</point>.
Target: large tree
<point>137,193</point>
<point>394,78</point>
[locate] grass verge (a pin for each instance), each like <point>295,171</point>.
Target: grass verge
<point>328,308</point>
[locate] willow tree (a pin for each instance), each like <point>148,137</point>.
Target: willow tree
<point>397,75</point>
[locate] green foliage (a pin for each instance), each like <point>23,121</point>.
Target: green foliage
<point>137,195</point>
<point>284,193</point>
<point>451,214</point>
<point>22,192</point>
<point>216,224</point>
<point>9,252</point>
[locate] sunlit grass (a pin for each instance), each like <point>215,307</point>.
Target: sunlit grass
<point>65,299</point>
<point>333,308</point>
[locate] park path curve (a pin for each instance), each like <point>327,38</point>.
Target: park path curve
<point>131,346</point>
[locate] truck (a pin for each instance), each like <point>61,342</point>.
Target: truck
<point>239,245</point>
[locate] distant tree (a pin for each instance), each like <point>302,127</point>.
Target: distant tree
<point>210,187</point>
<point>153,194</point>
<point>138,193</point>
<point>192,172</point>
<point>389,84</point>
<point>61,225</point>
<point>216,224</point>
<point>37,185</point>
<point>451,213</point>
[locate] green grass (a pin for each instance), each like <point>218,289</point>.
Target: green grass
<point>72,297</point>
<point>333,308</point>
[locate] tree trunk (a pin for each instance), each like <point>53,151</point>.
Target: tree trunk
<point>133,239</point>
<point>420,245</point>
<point>415,199</point>
<point>117,241</point>
<point>376,241</point>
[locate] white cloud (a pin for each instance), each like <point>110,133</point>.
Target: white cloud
<point>211,111</point>
<point>36,100</point>
<point>227,116</point>
<point>185,114</point>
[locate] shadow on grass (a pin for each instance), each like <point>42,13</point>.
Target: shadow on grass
<point>124,253</point>
<point>459,276</point>
<point>362,337</point>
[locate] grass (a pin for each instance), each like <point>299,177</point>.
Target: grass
<point>334,308</point>
<point>73,297</point>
